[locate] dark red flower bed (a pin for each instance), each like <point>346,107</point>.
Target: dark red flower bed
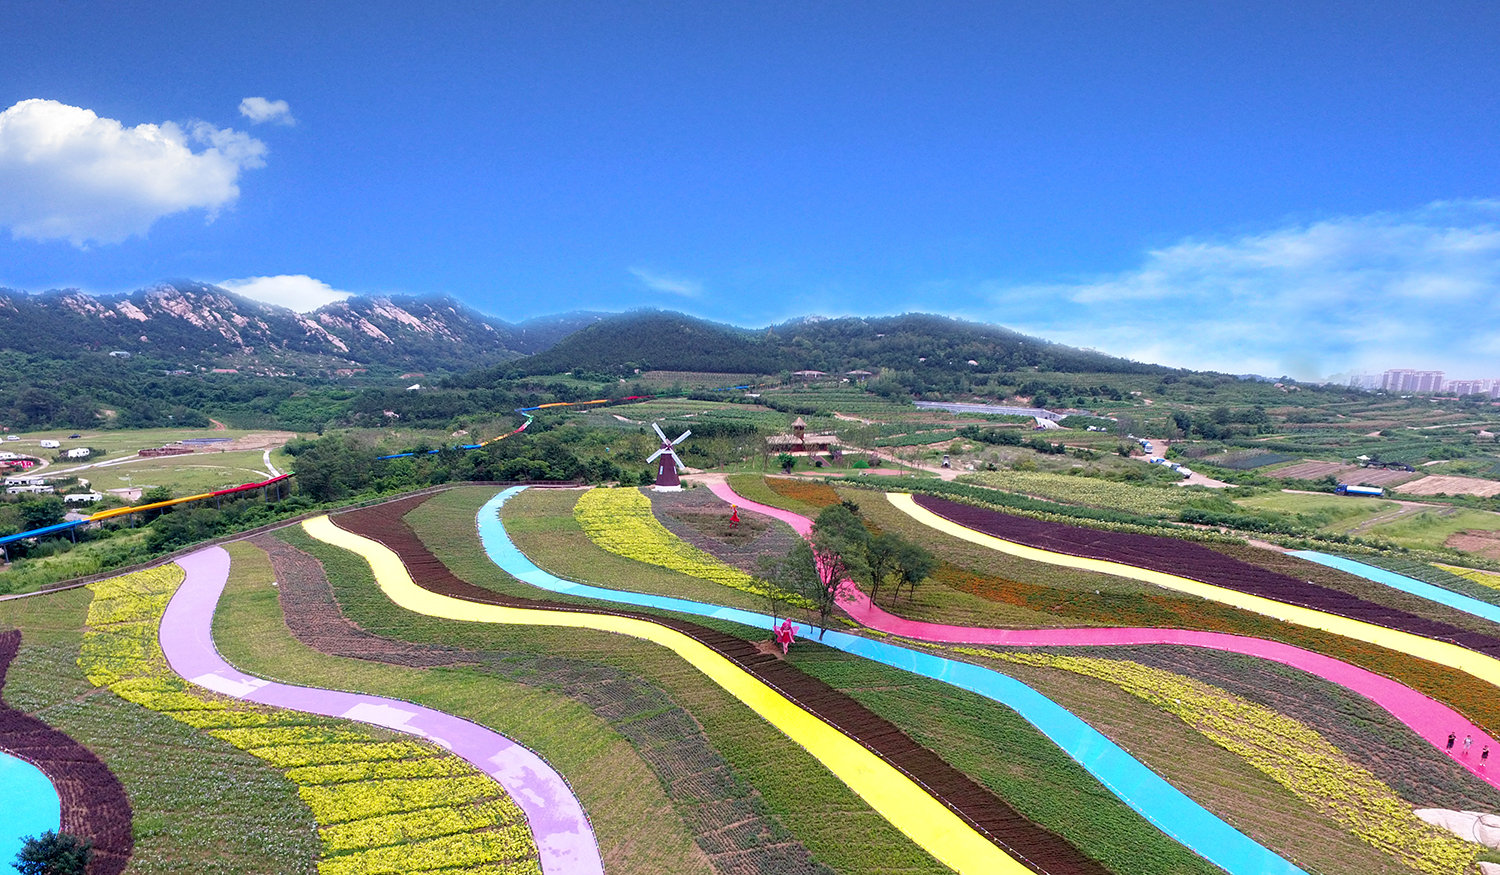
<point>1042,849</point>
<point>94,805</point>
<point>1197,562</point>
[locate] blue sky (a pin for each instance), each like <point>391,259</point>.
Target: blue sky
<point>1300,188</point>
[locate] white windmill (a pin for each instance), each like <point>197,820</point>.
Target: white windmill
<point>666,469</point>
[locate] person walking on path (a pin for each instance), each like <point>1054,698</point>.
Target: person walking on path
<point>1484,755</point>
<point>1468,740</point>
<point>1452,737</point>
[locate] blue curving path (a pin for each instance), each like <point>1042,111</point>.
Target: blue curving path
<point>1163,805</point>
<point>29,802</point>
<point>1431,592</point>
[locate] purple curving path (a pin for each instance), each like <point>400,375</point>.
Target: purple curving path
<point>1424,715</point>
<point>562,832</point>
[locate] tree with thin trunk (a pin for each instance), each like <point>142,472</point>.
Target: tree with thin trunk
<point>883,555</point>
<point>914,564</point>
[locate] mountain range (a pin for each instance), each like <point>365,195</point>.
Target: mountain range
<point>194,323</point>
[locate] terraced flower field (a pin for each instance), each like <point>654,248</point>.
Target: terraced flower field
<point>381,804</point>
<point>1287,751</point>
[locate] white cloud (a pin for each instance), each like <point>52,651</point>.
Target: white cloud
<point>66,173</point>
<point>670,284</point>
<point>258,109</point>
<point>1419,289</point>
<point>296,291</point>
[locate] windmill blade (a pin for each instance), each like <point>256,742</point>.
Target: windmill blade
<point>652,457</point>
<point>660,433</point>
<point>682,438</point>
<point>677,460</point>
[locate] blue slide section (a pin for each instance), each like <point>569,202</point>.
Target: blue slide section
<point>1432,593</point>
<point>1137,786</point>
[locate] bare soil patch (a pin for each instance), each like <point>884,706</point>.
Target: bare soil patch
<point>1314,470</point>
<point>1486,544</point>
<point>700,518</point>
<point>1452,485</point>
<point>261,440</point>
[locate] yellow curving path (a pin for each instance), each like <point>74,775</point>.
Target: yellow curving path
<point>1485,668</point>
<point>896,797</point>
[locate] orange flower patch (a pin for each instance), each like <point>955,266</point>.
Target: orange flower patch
<point>813,492</point>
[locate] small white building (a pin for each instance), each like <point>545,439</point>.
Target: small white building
<point>83,498</point>
<point>33,490</point>
<point>77,453</point>
<point>23,480</point>
<point>50,445</point>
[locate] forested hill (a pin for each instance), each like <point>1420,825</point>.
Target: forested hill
<point>654,340</point>
<point>192,323</point>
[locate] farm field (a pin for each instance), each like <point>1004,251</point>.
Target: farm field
<point>1440,483</point>
<point>1330,513</point>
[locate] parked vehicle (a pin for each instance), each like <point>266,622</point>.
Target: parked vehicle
<point>1365,491</point>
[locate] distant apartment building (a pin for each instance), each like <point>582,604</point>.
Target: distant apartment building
<point>1490,387</point>
<point>1406,380</point>
<point>1364,381</point>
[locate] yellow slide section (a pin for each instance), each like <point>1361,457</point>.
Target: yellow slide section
<point>896,797</point>
<point>1486,668</point>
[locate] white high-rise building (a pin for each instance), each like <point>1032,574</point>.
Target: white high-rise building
<point>1407,380</point>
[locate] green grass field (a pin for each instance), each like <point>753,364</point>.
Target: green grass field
<point>1429,529</point>
<point>117,441</point>
<point>1334,514</point>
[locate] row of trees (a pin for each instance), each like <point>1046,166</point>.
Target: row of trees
<point>843,548</point>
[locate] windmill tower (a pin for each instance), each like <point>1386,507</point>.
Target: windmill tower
<point>666,468</point>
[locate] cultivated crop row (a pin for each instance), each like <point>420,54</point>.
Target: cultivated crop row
<point>1163,501</point>
<point>1196,562</point>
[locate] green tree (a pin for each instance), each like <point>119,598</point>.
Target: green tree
<point>36,513</point>
<point>155,494</point>
<point>54,853</point>
<point>914,564</point>
<point>786,461</point>
<point>882,556</point>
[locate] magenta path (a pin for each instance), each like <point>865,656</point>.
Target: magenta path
<point>1426,716</point>
<point>562,832</point>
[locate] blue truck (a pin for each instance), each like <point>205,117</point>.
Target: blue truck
<point>1364,491</point>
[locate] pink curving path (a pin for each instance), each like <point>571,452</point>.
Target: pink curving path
<point>1423,714</point>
